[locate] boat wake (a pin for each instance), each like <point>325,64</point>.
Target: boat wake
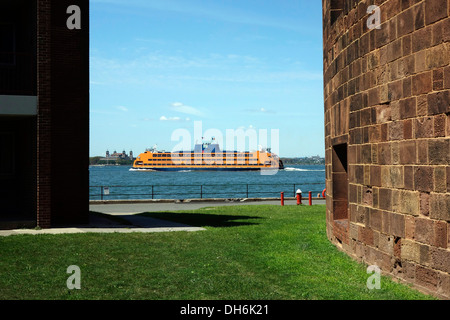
<point>134,169</point>
<point>303,170</point>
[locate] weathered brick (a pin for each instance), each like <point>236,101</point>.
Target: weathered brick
<point>395,90</point>
<point>374,96</point>
<point>425,203</point>
<point>408,129</point>
<point>421,39</point>
<point>422,105</point>
<point>440,234</point>
<point>406,66</point>
<point>439,125</point>
<point>375,221</point>
<point>398,225</point>
<point>440,179</point>
<point>407,87</point>
<point>410,202</point>
<point>435,10</point>
<point>423,178</point>
<point>438,79</point>
<point>383,113</point>
<point>439,102</point>
<point>441,32</point>
<point>448,178</point>
<point>406,45</point>
<point>408,177</point>
<point>440,259</point>
<point>395,152</point>
<point>410,250</point>
<point>422,151</point>
<point>420,59</point>
<point>427,277</point>
<point>439,151</point>
<point>444,284</point>
<point>410,227</point>
<point>440,206</point>
<point>394,50</point>
<point>395,110</point>
<point>385,199</point>
<point>386,243</point>
<point>437,56</point>
<point>408,152</point>
<point>408,108</point>
<point>405,22</point>
<point>424,231</point>
<point>375,176</point>
<point>396,130</point>
<point>423,127</point>
<point>447,127</point>
<point>365,235</point>
<point>447,77</point>
<point>422,83</point>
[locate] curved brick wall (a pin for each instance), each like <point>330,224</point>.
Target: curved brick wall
<point>387,136</point>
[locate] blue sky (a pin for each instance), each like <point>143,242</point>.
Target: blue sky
<point>159,65</point>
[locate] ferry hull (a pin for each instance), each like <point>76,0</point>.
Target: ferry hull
<point>199,169</point>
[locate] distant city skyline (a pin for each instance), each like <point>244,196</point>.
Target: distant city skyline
<point>160,65</point>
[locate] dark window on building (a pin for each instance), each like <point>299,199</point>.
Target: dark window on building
<point>340,182</point>
<point>7,44</point>
<point>6,154</point>
<point>336,9</point>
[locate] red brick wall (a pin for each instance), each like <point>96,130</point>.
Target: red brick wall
<point>44,148</point>
<point>387,95</point>
<point>63,115</point>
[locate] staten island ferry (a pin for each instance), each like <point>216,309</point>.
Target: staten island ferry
<point>206,156</point>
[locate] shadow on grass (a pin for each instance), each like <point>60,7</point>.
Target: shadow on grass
<point>202,219</point>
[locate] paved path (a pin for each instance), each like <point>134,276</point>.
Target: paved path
<point>139,207</point>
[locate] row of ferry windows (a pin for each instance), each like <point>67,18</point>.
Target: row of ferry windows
<point>168,155</point>
<point>174,164</point>
<point>193,160</point>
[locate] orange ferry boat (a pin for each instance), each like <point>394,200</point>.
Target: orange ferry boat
<point>206,156</point>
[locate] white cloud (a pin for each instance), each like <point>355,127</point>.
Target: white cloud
<point>164,118</point>
<point>260,110</point>
<point>122,108</point>
<point>180,107</point>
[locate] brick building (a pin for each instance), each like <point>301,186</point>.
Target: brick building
<point>387,129</point>
<point>44,112</point>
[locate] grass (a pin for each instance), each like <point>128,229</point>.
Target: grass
<point>247,252</point>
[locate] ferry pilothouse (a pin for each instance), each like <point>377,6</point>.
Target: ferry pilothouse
<point>207,156</point>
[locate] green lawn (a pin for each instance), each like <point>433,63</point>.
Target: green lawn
<point>247,252</point>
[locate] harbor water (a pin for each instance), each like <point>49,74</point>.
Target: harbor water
<point>118,182</point>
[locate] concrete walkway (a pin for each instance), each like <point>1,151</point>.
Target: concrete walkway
<point>129,207</point>
<point>103,224</point>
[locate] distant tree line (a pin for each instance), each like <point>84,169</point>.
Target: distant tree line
<point>97,161</point>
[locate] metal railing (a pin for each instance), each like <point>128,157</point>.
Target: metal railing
<point>203,191</point>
